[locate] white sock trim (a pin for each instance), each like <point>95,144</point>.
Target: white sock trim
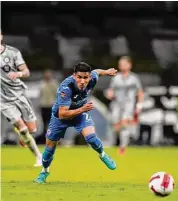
<point>102,154</point>
<point>45,169</point>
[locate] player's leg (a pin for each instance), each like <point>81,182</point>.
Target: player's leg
<point>47,158</point>
<point>29,118</point>
<point>118,125</point>
<point>124,135</point>
<point>85,125</point>
<point>28,140</point>
<point>92,139</point>
<point>125,128</point>
<point>13,114</point>
<point>55,132</point>
<point>32,127</point>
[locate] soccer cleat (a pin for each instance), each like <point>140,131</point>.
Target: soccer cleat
<point>108,162</point>
<point>41,179</point>
<point>38,162</point>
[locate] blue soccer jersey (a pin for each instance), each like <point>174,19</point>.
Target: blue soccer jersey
<point>68,94</point>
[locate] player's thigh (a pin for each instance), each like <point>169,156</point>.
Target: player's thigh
<point>115,114</point>
<point>56,129</point>
<point>27,110</point>
<point>83,121</point>
<point>128,113</point>
<point>11,112</point>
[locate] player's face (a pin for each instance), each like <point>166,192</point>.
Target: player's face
<point>48,75</point>
<point>124,65</point>
<point>82,79</point>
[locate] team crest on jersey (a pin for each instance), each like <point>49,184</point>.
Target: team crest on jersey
<point>48,132</point>
<point>6,59</point>
<point>6,68</point>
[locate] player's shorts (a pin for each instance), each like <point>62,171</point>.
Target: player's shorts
<point>57,127</point>
<point>20,108</point>
<point>122,111</point>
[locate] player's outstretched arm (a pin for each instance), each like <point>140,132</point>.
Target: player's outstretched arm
<point>65,113</point>
<point>110,72</point>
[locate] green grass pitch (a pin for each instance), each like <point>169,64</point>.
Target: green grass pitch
<point>78,174</point>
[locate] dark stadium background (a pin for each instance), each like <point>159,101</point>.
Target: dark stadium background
<point>56,35</point>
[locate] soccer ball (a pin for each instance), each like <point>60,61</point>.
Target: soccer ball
<point>161,184</point>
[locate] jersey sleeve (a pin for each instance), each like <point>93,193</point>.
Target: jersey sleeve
<point>18,59</point>
<point>94,75</point>
<point>138,83</point>
<point>64,96</point>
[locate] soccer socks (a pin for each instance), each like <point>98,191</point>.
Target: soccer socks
<point>30,142</point>
<point>47,158</point>
<point>95,143</point>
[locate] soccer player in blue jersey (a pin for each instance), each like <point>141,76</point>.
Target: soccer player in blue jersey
<point>71,109</point>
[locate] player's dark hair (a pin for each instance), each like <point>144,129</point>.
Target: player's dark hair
<point>82,67</point>
<point>127,58</point>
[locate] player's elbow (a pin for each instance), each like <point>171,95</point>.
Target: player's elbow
<point>61,117</point>
<point>27,73</point>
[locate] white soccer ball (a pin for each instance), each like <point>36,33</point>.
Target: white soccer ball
<point>161,184</point>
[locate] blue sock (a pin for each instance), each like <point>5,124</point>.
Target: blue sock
<point>48,156</point>
<point>95,142</point>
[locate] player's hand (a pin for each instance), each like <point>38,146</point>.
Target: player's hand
<point>14,75</point>
<point>88,106</point>
<point>111,71</point>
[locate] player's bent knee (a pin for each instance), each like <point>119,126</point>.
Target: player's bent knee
<point>20,125</point>
<point>32,131</point>
<point>31,126</point>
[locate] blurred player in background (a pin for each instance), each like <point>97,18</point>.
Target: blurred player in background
<point>15,105</point>
<point>71,109</point>
<point>47,97</point>
<point>126,94</point>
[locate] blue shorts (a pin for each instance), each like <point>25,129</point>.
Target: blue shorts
<point>57,127</point>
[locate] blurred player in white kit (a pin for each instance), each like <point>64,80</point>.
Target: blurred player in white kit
<point>126,93</point>
<point>15,105</point>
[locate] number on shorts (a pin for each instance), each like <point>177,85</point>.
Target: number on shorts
<point>87,116</point>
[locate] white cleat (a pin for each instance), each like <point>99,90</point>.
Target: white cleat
<point>38,162</point>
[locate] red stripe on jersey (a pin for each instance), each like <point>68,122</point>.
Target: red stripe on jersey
<point>166,181</point>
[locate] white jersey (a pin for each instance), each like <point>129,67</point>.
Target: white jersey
<point>125,88</point>
<point>10,59</point>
